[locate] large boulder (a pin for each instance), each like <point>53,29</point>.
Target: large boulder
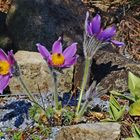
<point>5,40</point>
<point>35,74</point>
<point>33,21</point>
<point>2,22</point>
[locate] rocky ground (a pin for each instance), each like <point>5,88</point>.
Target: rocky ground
<point>20,18</point>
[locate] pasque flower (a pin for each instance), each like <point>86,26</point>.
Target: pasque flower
<point>95,37</point>
<point>93,28</point>
<point>6,68</point>
<point>59,58</point>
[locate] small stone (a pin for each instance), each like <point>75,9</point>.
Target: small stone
<point>35,73</point>
<point>95,131</point>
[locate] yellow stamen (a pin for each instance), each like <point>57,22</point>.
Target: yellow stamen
<point>4,67</point>
<point>57,59</point>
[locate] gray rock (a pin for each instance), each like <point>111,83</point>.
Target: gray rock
<point>5,42</point>
<point>36,74</point>
<point>95,131</point>
<point>110,69</point>
<point>2,22</point>
<point>33,21</point>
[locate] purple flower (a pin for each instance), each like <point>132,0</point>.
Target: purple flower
<point>6,66</point>
<point>93,28</point>
<point>59,58</point>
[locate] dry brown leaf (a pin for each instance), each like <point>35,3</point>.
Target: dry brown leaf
<point>5,5</point>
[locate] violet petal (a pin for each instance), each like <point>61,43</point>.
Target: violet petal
<point>57,46</point>
<point>71,61</point>
<point>43,51</point>
<point>117,43</point>
<point>11,58</point>
<point>88,27</point>
<point>4,81</point>
<point>70,51</point>
<point>96,24</point>
<point>107,33</point>
<point>3,55</point>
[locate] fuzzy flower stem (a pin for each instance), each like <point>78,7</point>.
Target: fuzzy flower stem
<point>84,82</point>
<point>28,93</point>
<point>89,97</point>
<point>55,90</point>
<point>81,112</point>
<point>43,104</point>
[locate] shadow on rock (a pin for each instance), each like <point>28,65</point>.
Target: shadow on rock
<point>102,70</point>
<point>19,110</point>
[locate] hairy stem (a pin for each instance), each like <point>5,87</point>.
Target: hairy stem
<point>43,104</point>
<point>55,94</point>
<point>84,82</point>
<point>89,97</point>
<point>81,112</point>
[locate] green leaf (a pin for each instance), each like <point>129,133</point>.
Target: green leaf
<point>115,93</point>
<point>45,131</point>
<point>115,110</point>
<point>134,85</point>
<point>121,113</point>
<point>111,112</point>
<point>1,134</point>
<point>34,110</point>
<point>134,109</point>
<point>17,136</point>
<point>136,131</point>
<point>34,137</point>
<point>68,117</point>
<point>50,112</point>
<point>132,139</point>
<point>114,102</point>
<point>108,120</point>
